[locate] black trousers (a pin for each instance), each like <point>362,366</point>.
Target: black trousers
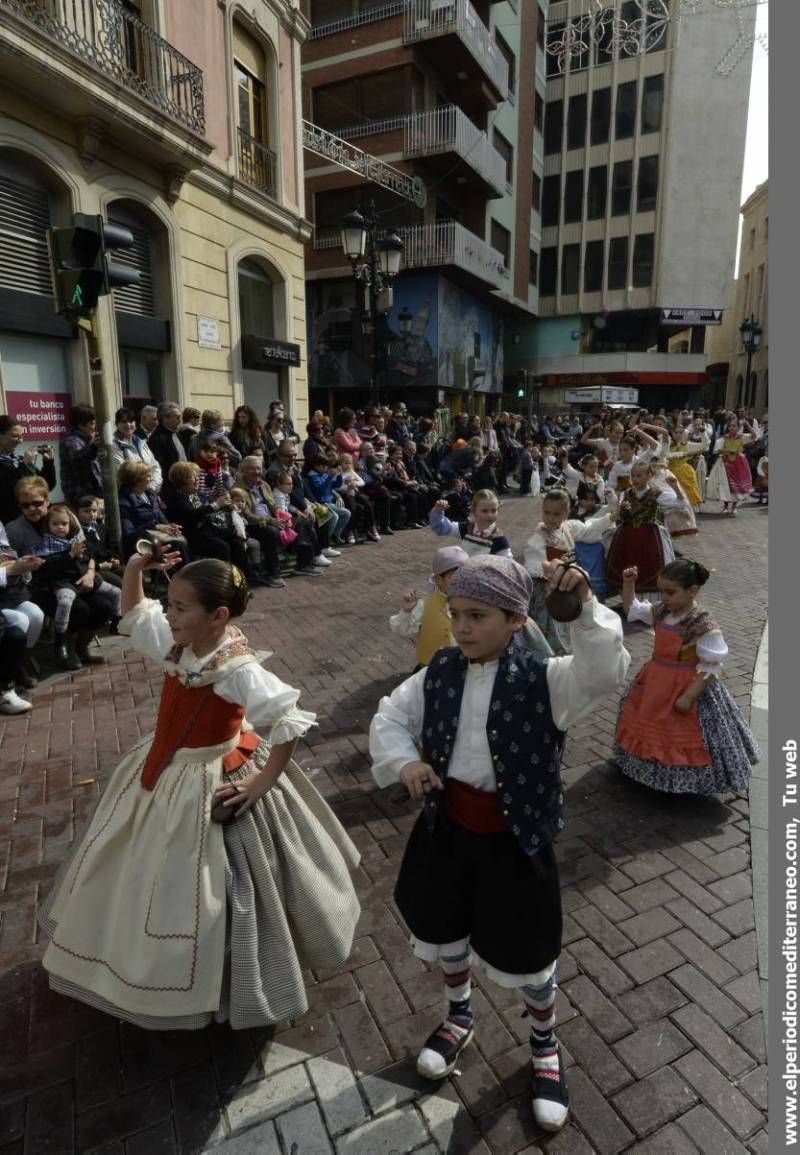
<point>267,538</point>
<point>12,652</point>
<point>525,476</point>
<point>381,502</point>
<point>88,611</point>
<point>455,884</point>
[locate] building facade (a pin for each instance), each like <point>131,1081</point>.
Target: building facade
<point>181,122</point>
<point>642,166</point>
<point>749,299</point>
<point>443,91</point>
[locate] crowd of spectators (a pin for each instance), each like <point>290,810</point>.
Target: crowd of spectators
<point>261,495</point>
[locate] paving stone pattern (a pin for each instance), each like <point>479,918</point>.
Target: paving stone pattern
<point>659,1006</point>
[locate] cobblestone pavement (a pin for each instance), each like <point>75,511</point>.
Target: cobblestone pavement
<point>659,1007</point>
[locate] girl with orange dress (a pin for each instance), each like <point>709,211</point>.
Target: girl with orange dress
<point>679,729</point>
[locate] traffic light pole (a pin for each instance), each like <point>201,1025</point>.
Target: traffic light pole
<point>104,417</point>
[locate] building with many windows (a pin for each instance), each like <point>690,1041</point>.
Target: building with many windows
<point>451,92</point>
<point>643,161</point>
<point>181,122</point>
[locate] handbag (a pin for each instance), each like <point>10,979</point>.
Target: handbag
<point>288,534</point>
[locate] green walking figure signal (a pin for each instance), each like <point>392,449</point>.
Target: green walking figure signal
<point>80,268</point>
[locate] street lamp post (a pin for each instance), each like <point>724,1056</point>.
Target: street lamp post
<point>750,331</point>
<point>375,260</point>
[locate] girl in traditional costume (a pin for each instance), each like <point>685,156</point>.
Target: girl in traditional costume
<point>682,456</point>
<point>730,480</point>
<point>480,534</point>
<point>679,729</point>
<point>641,539</point>
<point>212,872</point>
<point>554,540</point>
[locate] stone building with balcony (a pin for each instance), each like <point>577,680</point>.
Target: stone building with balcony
<point>643,147</point>
<point>430,87</point>
<point>182,122</point>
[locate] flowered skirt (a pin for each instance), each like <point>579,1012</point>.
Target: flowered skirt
<point>171,921</point>
<point>728,745</point>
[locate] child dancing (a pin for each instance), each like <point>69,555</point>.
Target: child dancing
<point>480,533</point>
<point>679,729</point>
<point>479,876</point>
<point>212,871</point>
<point>641,539</point>
<point>428,619</point>
<point>554,538</point>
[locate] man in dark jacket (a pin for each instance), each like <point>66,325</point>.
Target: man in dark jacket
<point>299,505</point>
<point>78,453</point>
<point>165,444</point>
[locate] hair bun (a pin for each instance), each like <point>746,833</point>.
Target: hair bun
<point>701,573</point>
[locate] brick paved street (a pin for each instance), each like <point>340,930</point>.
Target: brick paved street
<point>660,1003</point>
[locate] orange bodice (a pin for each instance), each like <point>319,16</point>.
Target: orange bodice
<point>193,717</point>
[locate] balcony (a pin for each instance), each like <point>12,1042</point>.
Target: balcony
<point>445,244</point>
<point>257,164</point>
<point>453,30</point>
<point>439,135</point>
<point>94,60</point>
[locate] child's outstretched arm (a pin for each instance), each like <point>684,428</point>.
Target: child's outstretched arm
<point>132,588</point>
<point>440,523</point>
<point>407,621</point>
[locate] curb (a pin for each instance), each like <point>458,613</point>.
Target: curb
<point>758,802</point>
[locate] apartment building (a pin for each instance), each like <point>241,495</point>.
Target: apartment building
<point>443,91</point>
<point>180,121</point>
<point>643,158</point>
<point>748,298</point>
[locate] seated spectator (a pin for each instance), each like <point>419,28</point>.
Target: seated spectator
<point>323,482</point>
<point>204,525</point>
<point>315,443</point>
<point>486,475</point>
<point>296,535</point>
<point>139,507</point>
<point>240,503</point>
<point>215,477</point>
<point>260,517</point>
<point>190,424</point>
<point>301,502</point>
<point>17,609</point>
<point>76,578</point>
<point>148,421</point>
<point>371,470</point>
<point>277,408</point>
<point>362,511</point>
<point>212,428</point>
<point>246,434</point>
<point>167,447</point>
<point>460,462</point>
<point>97,546</point>
<point>426,433</point>
<point>127,446</point>
<point>345,435</point>
<point>417,469</point>
<point>397,480</point>
<point>12,654</point>
<point>13,466</point>
<point>398,429</point>
<point>26,537</point>
<point>275,433</point>
<point>78,455</point>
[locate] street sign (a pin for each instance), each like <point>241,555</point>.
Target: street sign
<point>691,316</point>
<point>605,394</point>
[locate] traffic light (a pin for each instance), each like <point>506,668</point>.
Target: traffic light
<point>522,382</point>
<point>79,263</point>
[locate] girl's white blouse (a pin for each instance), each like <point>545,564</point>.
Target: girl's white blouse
<point>597,665</point>
<point>267,701</point>
<point>591,530</point>
<point>711,648</point>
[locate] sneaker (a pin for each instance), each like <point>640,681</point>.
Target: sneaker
<point>330,552</point>
<point>387,531</point>
<point>439,1056</point>
<point>351,539</point>
<point>320,560</point>
<point>274,583</point>
<point>550,1098</point>
<point>308,571</point>
<point>12,703</point>
<point>373,535</point>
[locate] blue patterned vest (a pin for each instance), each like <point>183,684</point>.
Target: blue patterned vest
<point>524,741</point>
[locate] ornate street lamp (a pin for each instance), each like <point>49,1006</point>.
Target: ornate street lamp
<point>375,260</point>
<point>750,332</point>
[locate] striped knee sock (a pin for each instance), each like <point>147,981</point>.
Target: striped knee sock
<point>458,984</point>
<point>540,1005</point>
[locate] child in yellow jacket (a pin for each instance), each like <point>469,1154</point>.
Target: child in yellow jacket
<point>428,619</point>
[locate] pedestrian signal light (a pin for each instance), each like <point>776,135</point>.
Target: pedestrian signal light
<point>80,268</point>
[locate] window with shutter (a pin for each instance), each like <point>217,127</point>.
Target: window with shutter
<point>140,297</point>
<point>24,221</point>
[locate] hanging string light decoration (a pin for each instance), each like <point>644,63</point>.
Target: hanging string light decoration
<point>603,28</point>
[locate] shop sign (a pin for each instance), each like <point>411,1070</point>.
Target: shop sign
<point>605,394</point>
<point>691,316</point>
<point>267,353</point>
<point>43,416</point>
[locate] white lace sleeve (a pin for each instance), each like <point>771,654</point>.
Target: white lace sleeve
<point>407,624</point>
<point>147,626</point>
<point>711,652</point>
<point>641,612</point>
<point>267,702</point>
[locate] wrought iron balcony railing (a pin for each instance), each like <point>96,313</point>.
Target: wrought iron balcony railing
<point>257,163</point>
<point>119,43</point>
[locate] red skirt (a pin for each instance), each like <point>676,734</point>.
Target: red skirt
<point>740,479</point>
<point>641,546</point>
